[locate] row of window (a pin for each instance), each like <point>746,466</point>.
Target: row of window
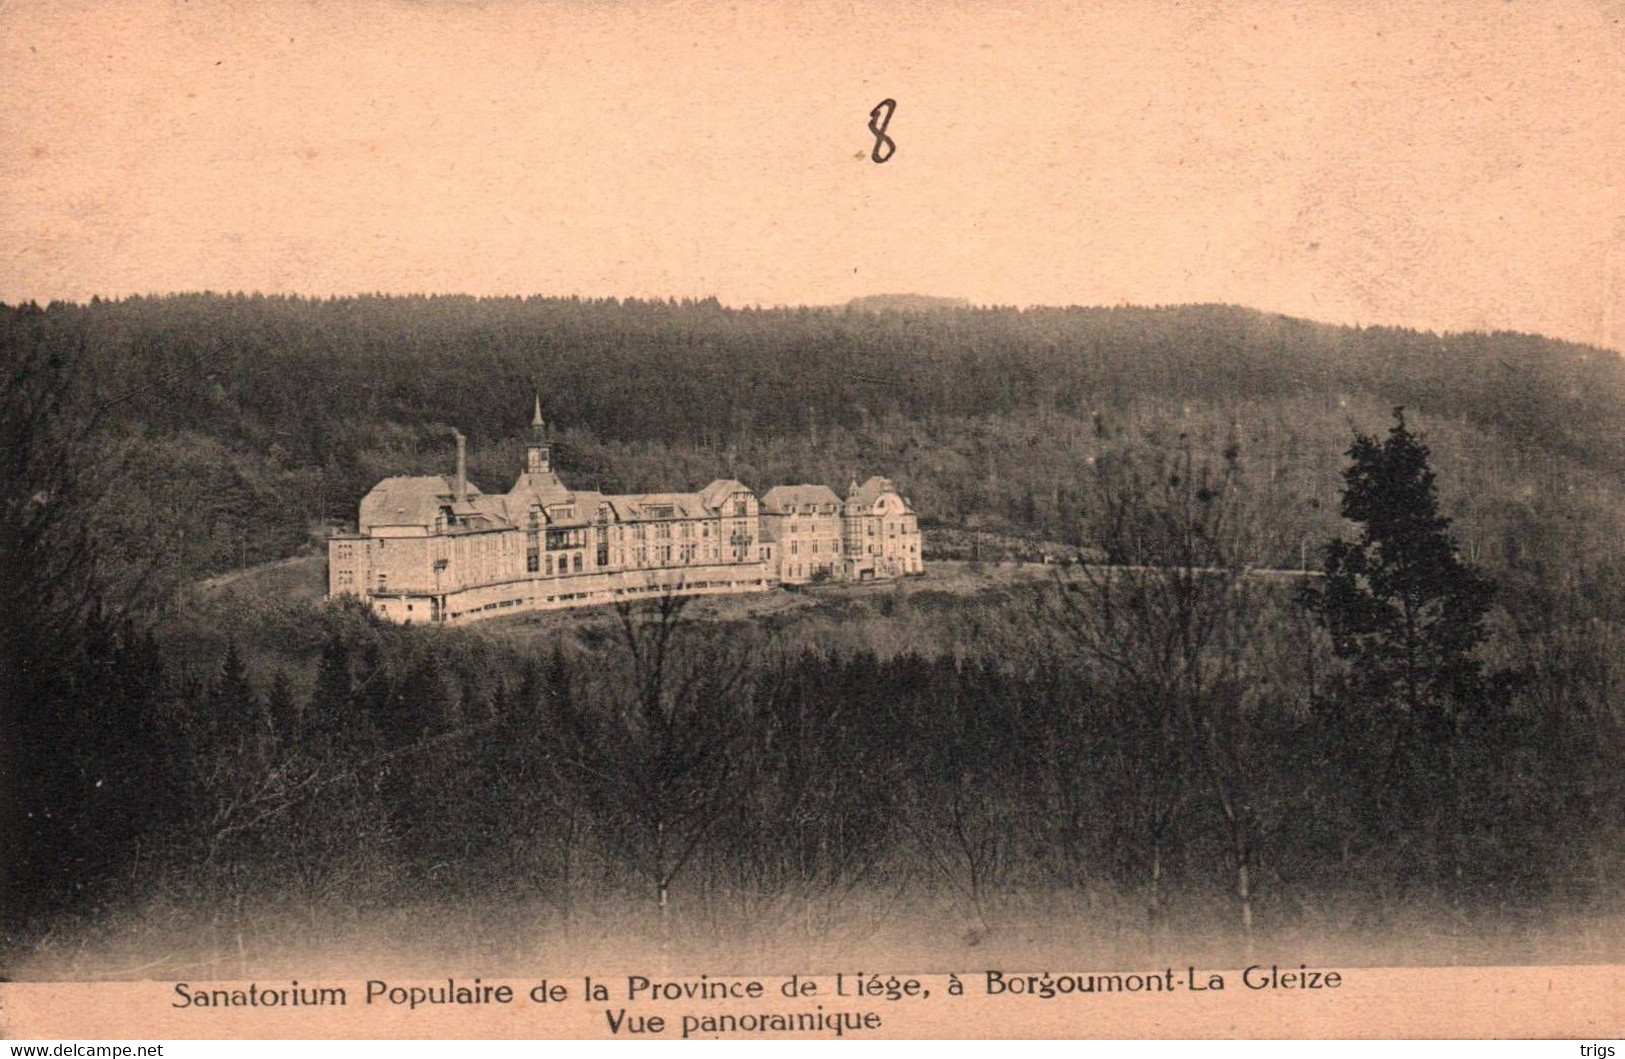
<point>560,539</point>
<point>663,554</point>
<point>662,530</point>
<point>791,529</point>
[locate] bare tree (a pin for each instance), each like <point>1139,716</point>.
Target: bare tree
<point>962,814</point>
<point>656,751</point>
<point>1164,622</point>
<point>810,826</point>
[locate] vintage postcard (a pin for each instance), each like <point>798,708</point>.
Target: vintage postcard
<point>570,518</point>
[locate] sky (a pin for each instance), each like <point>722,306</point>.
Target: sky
<point>1446,166</point>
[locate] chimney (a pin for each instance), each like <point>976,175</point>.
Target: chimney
<point>460,486</point>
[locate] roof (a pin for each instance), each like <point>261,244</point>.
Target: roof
<point>587,503</point>
<point>718,491</point>
<point>543,489</point>
<point>407,501</point>
<point>781,498</point>
<point>641,507</point>
<point>583,505</point>
<point>872,490</point>
<point>483,512</point>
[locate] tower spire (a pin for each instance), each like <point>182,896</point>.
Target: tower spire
<point>538,456</point>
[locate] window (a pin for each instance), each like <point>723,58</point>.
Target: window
<point>741,508</point>
<point>549,566</point>
<point>578,562</point>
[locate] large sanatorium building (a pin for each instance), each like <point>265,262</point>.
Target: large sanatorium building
<point>437,549</point>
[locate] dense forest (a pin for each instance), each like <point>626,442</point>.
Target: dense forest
<point>1136,754</point>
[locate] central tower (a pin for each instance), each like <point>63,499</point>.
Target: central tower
<point>538,457</point>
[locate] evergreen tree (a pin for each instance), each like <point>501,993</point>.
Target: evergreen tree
<point>1400,604</point>
<point>236,714</point>
<point>334,721</point>
<point>284,712</point>
<point>1406,617</point>
<point>233,690</point>
<point>335,686</point>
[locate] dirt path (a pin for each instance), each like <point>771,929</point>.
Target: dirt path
<point>210,584</point>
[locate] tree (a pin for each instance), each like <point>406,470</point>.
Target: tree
<point>820,799</point>
<point>79,672</point>
<point>1399,601</point>
<point>1166,627</point>
<point>659,757</point>
<point>1406,618</point>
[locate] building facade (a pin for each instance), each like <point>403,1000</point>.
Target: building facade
<point>436,549</point>
<point>803,525</point>
<point>879,531</point>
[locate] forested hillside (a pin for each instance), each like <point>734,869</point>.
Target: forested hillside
<point>251,419</point>
<point>1133,755</point>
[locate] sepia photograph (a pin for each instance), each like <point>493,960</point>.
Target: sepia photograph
<point>679,518</point>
